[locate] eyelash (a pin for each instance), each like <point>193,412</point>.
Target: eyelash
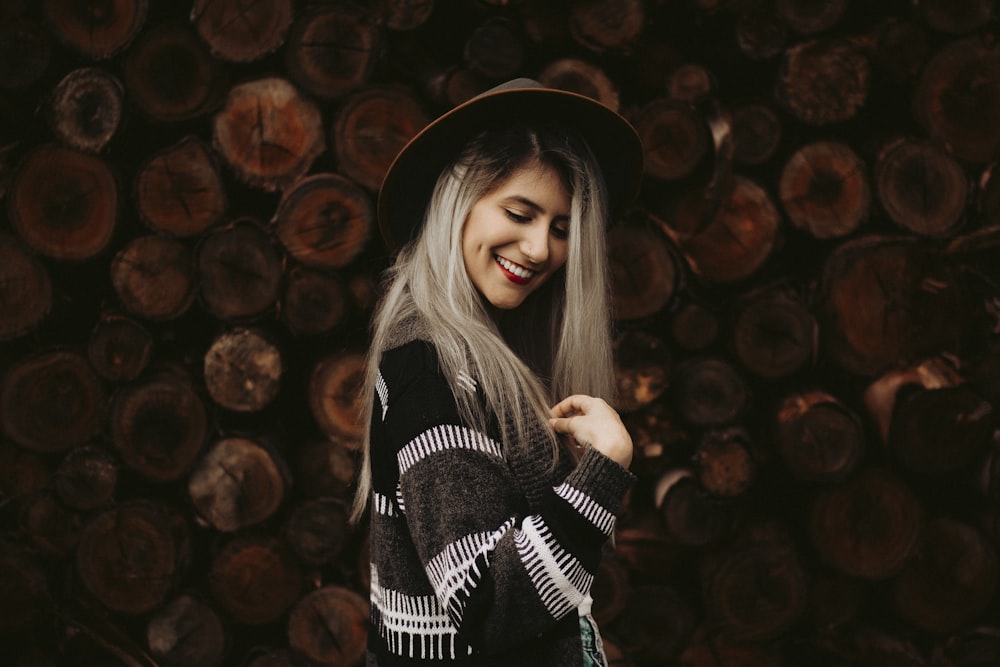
<point>558,232</point>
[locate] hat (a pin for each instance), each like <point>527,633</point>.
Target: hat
<point>410,180</point>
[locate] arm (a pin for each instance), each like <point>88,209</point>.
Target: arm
<point>503,573</point>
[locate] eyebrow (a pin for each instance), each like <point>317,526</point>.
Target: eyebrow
<point>533,205</point>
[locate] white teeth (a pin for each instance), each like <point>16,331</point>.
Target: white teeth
<point>518,271</point>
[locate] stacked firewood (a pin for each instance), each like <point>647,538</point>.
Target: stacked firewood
<point>807,298</point>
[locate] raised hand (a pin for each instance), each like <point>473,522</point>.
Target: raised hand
<point>593,423</point>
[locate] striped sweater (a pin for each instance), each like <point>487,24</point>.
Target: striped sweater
<point>479,556</point>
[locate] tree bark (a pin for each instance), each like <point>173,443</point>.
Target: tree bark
<point>85,109</point>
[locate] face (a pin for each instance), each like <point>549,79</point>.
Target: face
<point>514,239</point>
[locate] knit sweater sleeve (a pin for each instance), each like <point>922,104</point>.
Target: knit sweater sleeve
<point>502,569</point>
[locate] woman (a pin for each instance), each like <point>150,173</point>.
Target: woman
<point>493,465</point>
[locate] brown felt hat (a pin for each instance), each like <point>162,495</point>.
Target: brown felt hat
<point>407,187</point>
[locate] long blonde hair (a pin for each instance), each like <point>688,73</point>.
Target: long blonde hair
<point>554,344</point>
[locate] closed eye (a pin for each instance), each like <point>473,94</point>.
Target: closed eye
<point>559,231</point>
<point>516,217</point>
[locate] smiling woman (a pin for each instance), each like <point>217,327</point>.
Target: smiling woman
<point>493,464</point>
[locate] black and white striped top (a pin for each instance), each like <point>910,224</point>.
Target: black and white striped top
<point>465,568</point>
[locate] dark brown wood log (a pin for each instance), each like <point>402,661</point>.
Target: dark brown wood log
<point>238,483</point>
<point>64,203</point>
<point>732,242</point>
<point>25,597</point>
<point>268,132</point>
<point>187,631</point>
<point>51,401</point>
<point>545,21</point>
<point>324,468</point>
<point>824,189</point>
<point>644,274</point>
<point>607,25</point>
<point>868,526</point>
<point>693,83</point>
<point>818,437</point>
<point>887,302</point>
<point>179,189</point>
<point>22,473</point>
<point>657,432</point>
<point>240,271</point>
<point>127,557</point>
<point>52,529</point>
<point>609,590</point>
<point>403,15</point>
<point>642,367</point>
<point>242,32</point>
<point>171,76</point>
<point>256,578</point>
<point>674,136</point>
<point>875,648</point>
<point>85,108</point>
<point>314,302</point>
<point>957,96</point>
<point>329,627</point>
<point>373,124</point>
<point>760,34</point>
<point>809,17</point>
<point>119,348</point>
<point>940,430</point>
<point>899,48</point>
<point>708,648</point>
<point>27,52</point>
<point>243,369</point>
<point>270,657</point>
<point>494,49</point>
<point>835,604</point>
<point>950,582</point>
<point>25,289</point>
<point>334,396</point>
<point>824,81</point>
<point>325,221</point>
<point>775,335</point>
<point>694,326</point>
<point>976,647</point>
<point>581,77</point>
<point>955,17</point>
<point>708,391</point>
<point>455,85</point>
<point>654,625</point>
<point>317,529</point>
<point>333,49</point>
<point>154,277</point>
<point>922,188</point>
<point>86,478</point>
<point>159,425</point>
<point>96,29</point>
<point>724,462</point>
<point>690,516</point>
<point>756,591</point>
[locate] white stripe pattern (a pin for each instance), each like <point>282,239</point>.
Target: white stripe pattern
<point>383,393</point>
<point>415,625</point>
<point>457,570</point>
<point>383,504</point>
<point>561,581</point>
<point>588,507</point>
<point>441,438</point>
<point>467,382</point>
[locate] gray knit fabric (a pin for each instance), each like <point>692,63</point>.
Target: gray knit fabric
<point>480,556</point>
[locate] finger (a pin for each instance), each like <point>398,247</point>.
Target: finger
<point>577,403</point>
<point>561,425</point>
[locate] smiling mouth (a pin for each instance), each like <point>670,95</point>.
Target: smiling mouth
<point>514,272</point>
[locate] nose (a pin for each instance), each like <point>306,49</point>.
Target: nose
<point>535,242</point>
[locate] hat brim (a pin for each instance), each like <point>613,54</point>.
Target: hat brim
<point>410,180</point>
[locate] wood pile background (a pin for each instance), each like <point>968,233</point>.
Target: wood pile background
<point>808,294</point>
